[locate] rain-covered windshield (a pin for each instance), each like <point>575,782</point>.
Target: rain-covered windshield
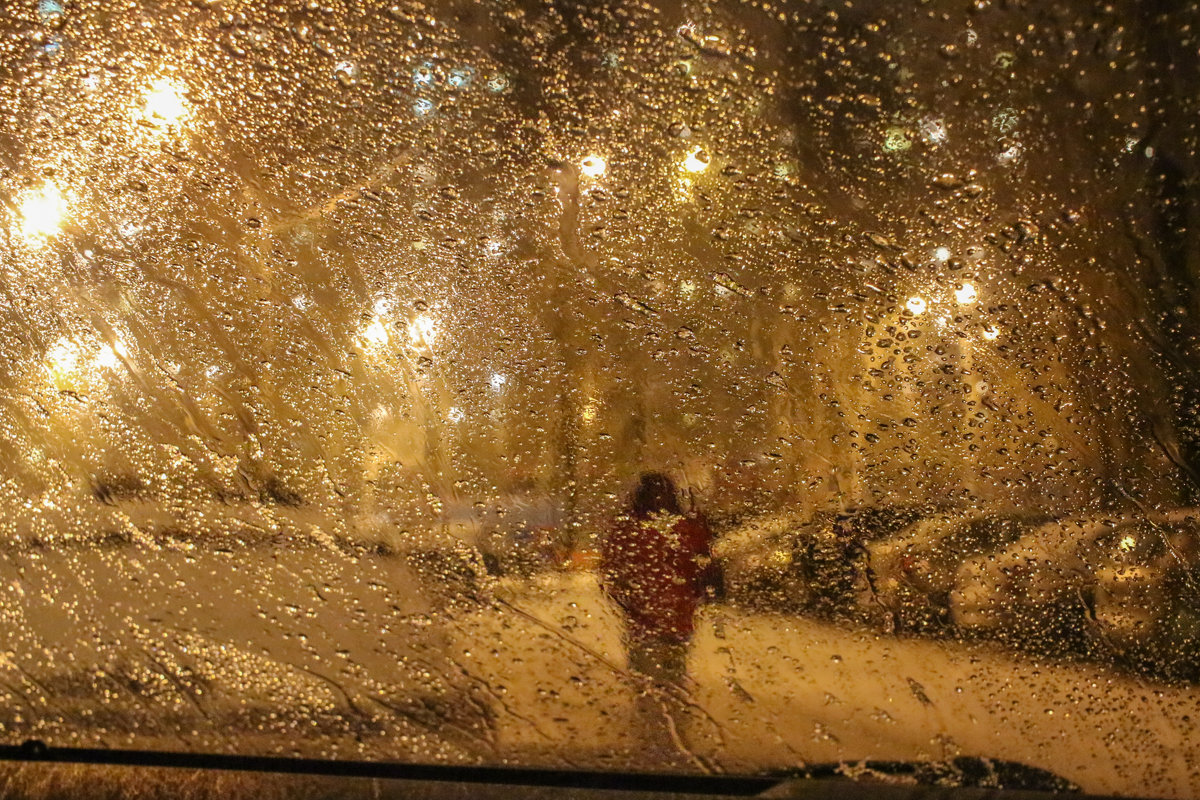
<point>666,386</point>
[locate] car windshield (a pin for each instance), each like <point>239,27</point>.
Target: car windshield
<point>660,386</point>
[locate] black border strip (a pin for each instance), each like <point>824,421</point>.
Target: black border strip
<point>37,751</point>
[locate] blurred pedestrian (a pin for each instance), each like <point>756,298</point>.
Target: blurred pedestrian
<point>656,566</point>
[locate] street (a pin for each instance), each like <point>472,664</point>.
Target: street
<point>317,652</point>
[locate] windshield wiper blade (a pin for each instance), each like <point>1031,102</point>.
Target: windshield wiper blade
<point>742,786</point>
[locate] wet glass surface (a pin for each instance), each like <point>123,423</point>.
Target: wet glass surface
<point>702,387</point>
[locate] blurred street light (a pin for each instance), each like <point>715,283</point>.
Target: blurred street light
<point>110,355</point>
<point>42,212</point>
<point>593,166</point>
<point>164,103</point>
<point>422,331</point>
<point>62,358</point>
<point>376,333</point>
<point>696,161</point>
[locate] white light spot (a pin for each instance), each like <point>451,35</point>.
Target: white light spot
<point>942,254</point>
<point>497,381</point>
<point>164,103</point>
<point>42,212</point>
<point>695,161</point>
<point>990,333</point>
<point>966,294</point>
<point>593,166</point>
<point>63,357</point>
<point>109,356</point>
<point>376,333</point>
<point>916,305</point>
<point>422,331</point>
<point>1127,543</point>
<point>455,414</point>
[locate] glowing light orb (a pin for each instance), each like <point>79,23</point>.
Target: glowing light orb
<point>376,333</point>
<point>110,355</point>
<point>423,331</point>
<point>165,104</point>
<point>593,166</point>
<point>42,212</point>
<point>696,161</point>
<point>63,357</point>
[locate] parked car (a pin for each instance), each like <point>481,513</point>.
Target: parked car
<point>518,533</point>
<point>790,561</point>
<point>1144,599</point>
<point>911,574</point>
<point>1124,582</point>
<point>757,558</point>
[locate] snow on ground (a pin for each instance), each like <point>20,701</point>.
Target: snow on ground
<point>318,652</point>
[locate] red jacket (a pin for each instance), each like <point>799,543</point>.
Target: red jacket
<point>657,577</point>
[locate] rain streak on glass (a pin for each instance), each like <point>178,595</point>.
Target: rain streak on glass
<point>670,386</point>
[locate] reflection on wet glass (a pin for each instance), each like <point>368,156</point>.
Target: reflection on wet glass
<point>662,386</point>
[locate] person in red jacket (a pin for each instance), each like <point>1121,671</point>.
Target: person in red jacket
<point>656,566</point>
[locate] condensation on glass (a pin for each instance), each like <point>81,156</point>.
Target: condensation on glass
<point>348,349</point>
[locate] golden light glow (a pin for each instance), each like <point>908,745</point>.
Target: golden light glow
<point>165,104</point>
<point>62,358</point>
<point>593,166</point>
<point>916,305</point>
<point>696,161</point>
<point>375,334</point>
<point>423,331</point>
<point>990,333</point>
<point>966,294</point>
<point>110,355</point>
<point>1127,543</point>
<point>42,212</point>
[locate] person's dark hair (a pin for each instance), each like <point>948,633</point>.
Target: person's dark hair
<point>655,493</point>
